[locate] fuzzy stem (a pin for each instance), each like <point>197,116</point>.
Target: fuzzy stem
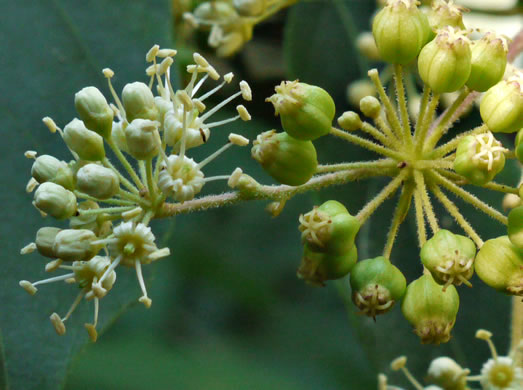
<point>376,164</point>
<point>423,127</point>
<point>365,144</point>
<point>400,93</point>
<point>516,324</point>
<point>453,143</point>
<point>150,183</point>
<point>378,135</point>
<point>125,163</point>
<point>427,205</point>
<point>420,220</point>
<point>422,110</point>
<point>108,201</point>
<point>106,210</point>
<point>400,212</point>
<point>469,198</point>
<point>384,127</point>
<point>460,219</point>
<point>501,188</point>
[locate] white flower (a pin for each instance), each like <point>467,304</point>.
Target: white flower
<point>501,374</point>
<point>180,178</point>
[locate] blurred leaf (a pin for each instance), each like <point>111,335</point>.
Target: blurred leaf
<point>51,50</point>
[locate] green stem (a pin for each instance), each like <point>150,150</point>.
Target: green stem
<point>378,135</point>
<point>150,183</point>
<point>460,219</point>
<point>469,198</point>
<point>376,164</point>
<point>387,191</point>
<point>422,110</point>
<point>365,144</point>
<point>400,212</point>
<point>433,164</point>
<point>453,143</point>
<point>516,329</point>
<point>403,109</point>
<point>132,197</point>
<point>427,205</point>
<point>106,210</point>
<point>127,166</point>
<point>108,201</point>
<point>420,220</point>
<point>384,127</point>
<point>501,188</point>
<point>425,125</point>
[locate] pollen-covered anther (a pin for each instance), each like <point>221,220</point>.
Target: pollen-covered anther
<point>313,225</point>
<point>51,125</point>
<point>53,265</point>
<point>185,100</point>
<point>228,77</point>
<point>58,324</point>
<point>28,286</point>
<point>163,53</point>
<point>151,54</point>
<point>108,73</point>
<point>165,65</point>
<point>238,140</point>
<point>29,248</point>
<point>246,90</point>
<point>31,154</point>
<point>243,113</point>
<point>234,178</point>
<point>31,185</point>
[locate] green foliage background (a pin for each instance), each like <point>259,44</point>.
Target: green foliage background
<point>228,311</point>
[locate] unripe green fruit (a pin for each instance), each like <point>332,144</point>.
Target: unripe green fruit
<point>489,60</point>
<point>288,160</point>
<point>518,146</point>
<point>329,228</point>
<point>141,140</point>
<point>94,111</point>
<point>49,169</point>
<point>499,264</point>
<point>138,102</point>
<point>75,244</point>
<point>55,200</point>
<point>444,64</point>
<point>306,111</point>
<point>501,107</point>
<point>45,238</point>
<point>430,310</point>
<point>479,158</point>
<point>400,30</point>
<point>84,142</point>
<point>317,267</point>
<point>376,285</point>
<point>97,181</point>
<point>515,227</point>
<point>449,258</point>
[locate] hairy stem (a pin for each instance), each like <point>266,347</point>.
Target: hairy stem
<point>404,115</point>
<point>427,205</point>
<point>365,143</point>
<point>402,208</point>
<point>420,219</point>
<point>389,109</point>
<point>376,164</point>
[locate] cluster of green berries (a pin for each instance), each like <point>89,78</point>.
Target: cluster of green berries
<point>109,210</point>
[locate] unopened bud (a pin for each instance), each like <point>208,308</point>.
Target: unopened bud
<point>75,244</point>
<point>97,181</point>
<point>141,140</point>
<point>138,101</point>
<point>94,111</point>
<point>84,142</point>
<point>55,200</point>
<point>49,169</point>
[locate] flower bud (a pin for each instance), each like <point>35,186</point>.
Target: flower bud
<point>479,158</point>
<point>449,258</point>
<point>329,228</point>
<point>499,264</point>
<point>376,285</point>
<point>94,222</point>
<point>163,106</point>
<point>367,46</point>
<point>86,143</point>
<point>49,169</point>
<point>448,374</point>
<point>138,102</point>
<point>430,310</point>
<point>75,244</point>
<point>443,14</point>
<point>45,238</point>
<point>317,267</point>
<point>444,64</point>
<point>94,110</point>
<point>370,106</point>
<point>350,121</point>
<point>288,160</point>
<point>489,59</point>
<point>141,140</point>
<point>400,30</point>
<point>97,181</point>
<point>249,7</point>
<point>515,227</point>
<point>306,111</point>
<point>518,146</point>
<point>510,201</point>
<point>55,200</point>
<point>118,136</point>
<point>501,107</point>
<point>359,89</point>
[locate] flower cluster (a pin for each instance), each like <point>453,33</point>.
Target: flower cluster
<point>109,211</point>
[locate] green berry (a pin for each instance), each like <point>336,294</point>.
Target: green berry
<point>55,200</point>
<point>317,267</point>
<point>489,59</point>
<point>138,102</point>
<point>45,238</point>
<point>444,64</point>
<point>94,111</point>
<point>501,107</point>
<point>499,264</point>
<point>449,257</point>
<point>479,158</point>
<point>85,143</point>
<point>288,160</point>
<point>306,111</point>
<point>430,310</point>
<point>97,181</point>
<point>329,228</point>
<point>400,30</point>
<point>376,286</point>
<point>49,169</point>
<point>515,227</point>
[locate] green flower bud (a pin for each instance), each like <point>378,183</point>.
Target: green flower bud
<point>86,143</point>
<point>288,160</point>
<point>376,286</point>
<point>118,136</point>
<point>443,14</point>
<point>350,121</point>
<point>94,222</point>
<point>75,244</point>
<point>317,267</point>
<point>518,146</point>
<point>94,111</point>
<point>515,227</point>
<point>501,107</point>
<point>449,258</point>
<point>370,106</point>
<point>444,64</point>
<point>250,7</point>
<point>163,106</point>
<point>329,228</point>
<point>479,158</point>
<point>400,30</point>
<point>430,310</point>
<point>499,264</point>
<point>55,200</point>
<point>138,102</point>
<point>448,374</point>
<point>489,59</point>
<point>306,111</point>
<point>97,181</point>
<point>45,238</point>
<point>49,169</point>
<point>141,140</point>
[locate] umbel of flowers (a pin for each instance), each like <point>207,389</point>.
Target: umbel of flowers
<point>150,129</point>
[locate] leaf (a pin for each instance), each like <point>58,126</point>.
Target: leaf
<point>51,50</point>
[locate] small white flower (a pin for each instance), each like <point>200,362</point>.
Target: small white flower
<point>501,374</point>
<point>180,178</point>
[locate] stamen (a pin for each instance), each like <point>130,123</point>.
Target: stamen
<point>28,286</point>
<point>159,254</point>
<point>29,248</point>
<point>235,177</point>
<point>51,125</point>
<point>238,140</point>
<point>144,299</point>
<point>199,105</point>
<point>163,53</point>
<point>222,122</point>
<point>214,178</point>
<point>108,73</point>
<point>220,105</point>
<point>487,336</point>
<point>244,114</point>
<point>165,65</point>
<point>59,326</point>
<point>200,60</point>
<point>54,279</point>
<point>109,269</point>
<point>212,91</point>
<point>199,84</point>
<point>31,154</point>
<point>228,77</point>
<point>400,364</point>
<point>74,305</point>
<point>31,185</point>
<point>151,54</point>
<point>91,328</point>
<point>53,265</point>
<point>207,160</point>
<point>246,90</point>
